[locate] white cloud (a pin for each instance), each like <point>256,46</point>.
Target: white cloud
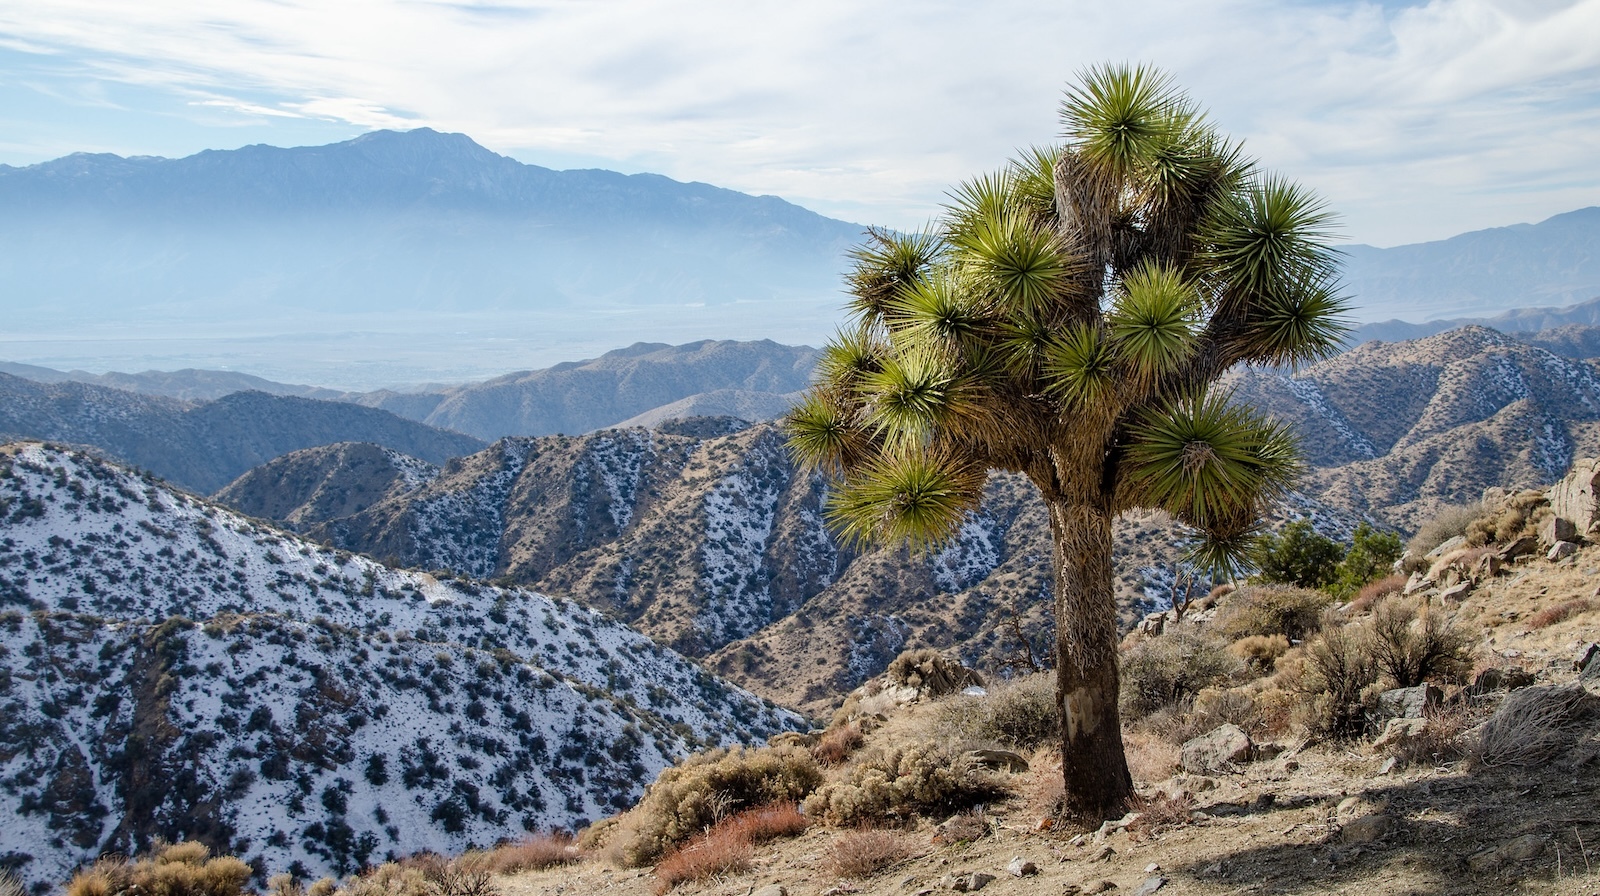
<point>1416,122</point>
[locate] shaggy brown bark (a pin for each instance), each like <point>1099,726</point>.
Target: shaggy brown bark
<point>1098,784</point>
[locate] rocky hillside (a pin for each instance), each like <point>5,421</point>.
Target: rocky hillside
<point>205,445</point>
<point>713,543</point>
<point>1399,429</point>
<point>173,669</point>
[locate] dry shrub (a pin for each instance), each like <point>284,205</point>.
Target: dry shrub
<point>767,823</point>
<point>1168,671</point>
<point>716,852</point>
<point>691,797</point>
<point>1160,814</point>
<point>1441,741</point>
<point>1514,516</point>
<point>327,886</point>
<point>1151,757</point>
<point>1534,726</point>
<point>1336,675</point>
<point>1560,612</point>
<point>1283,610</point>
<point>1259,653</point>
<point>1019,714</point>
<point>10,886</point>
<point>181,869</point>
<point>963,827</point>
<point>861,854</point>
<point>448,878</point>
<point>902,780</point>
<point>931,672</point>
<point>838,742</point>
<point>1410,643</point>
<point>1449,522</point>
<point>390,879</point>
<point>1376,590</point>
<point>536,852</point>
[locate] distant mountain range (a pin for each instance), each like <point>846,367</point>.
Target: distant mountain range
<point>411,256</point>
<point>192,674</point>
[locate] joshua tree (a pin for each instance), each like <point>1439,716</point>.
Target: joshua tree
<point>1066,320</point>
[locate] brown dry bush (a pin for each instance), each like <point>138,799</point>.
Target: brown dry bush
<point>1018,714</point>
<point>838,742</point>
<point>1151,756</point>
<point>1283,610</point>
<point>181,869</point>
<point>1161,813</point>
<point>1410,643</point>
<point>1168,671</point>
<point>1259,653</point>
<point>535,852</point>
<point>766,823</point>
<point>1516,515</point>
<point>1375,591</point>
<point>1442,740</point>
<point>389,879</point>
<point>931,672</point>
<point>1560,613</point>
<point>1449,522</point>
<point>1336,675</point>
<point>902,780</point>
<point>448,878</point>
<point>1534,726</point>
<point>694,795</point>
<point>713,854</point>
<point>863,853</point>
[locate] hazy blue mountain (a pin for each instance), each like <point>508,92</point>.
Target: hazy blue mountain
<point>1480,274</point>
<point>1583,315</point>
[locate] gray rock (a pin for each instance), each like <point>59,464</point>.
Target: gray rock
<point>1000,759</point>
<point>1366,829</point>
<point>1458,591</point>
<point>1588,655</point>
<point>1217,751</point>
<point>1020,867</point>
<point>977,880</point>
<point>1556,530</point>
<point>1417,582</point>
<point>1408,703</point>
<point>1509,678</point>
<point>1527,544</point>
<point>1574,498</point>
<point>1561,550</point>
<point>1523,848</point>
<point>1448,545</point>
<point>1150,885</point>
<point>1590,677</point>
<point>771,890</point>
<point>1399,733</point>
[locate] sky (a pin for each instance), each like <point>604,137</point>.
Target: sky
<point>1414,121</point>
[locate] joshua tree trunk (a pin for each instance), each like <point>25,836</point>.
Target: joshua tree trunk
<point>1098,784</point>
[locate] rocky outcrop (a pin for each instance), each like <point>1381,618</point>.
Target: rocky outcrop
<point>1575,500</point>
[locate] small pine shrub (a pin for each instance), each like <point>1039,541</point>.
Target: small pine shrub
<point>861,854</point>
<point>692,796</point>
<point>1410,644</point>
<point>1285,610</point>
<point>898,781</point>
<point>1298,555</point>
<point>1168,671</point>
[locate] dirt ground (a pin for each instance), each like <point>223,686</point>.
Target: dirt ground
<point>1298,824</point>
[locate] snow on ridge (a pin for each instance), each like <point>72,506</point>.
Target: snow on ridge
<point>462,530</point>
<point>305,663</point>
<point>970,556</point>
<point>1310,394</point>
<point>620,456</point>
<point>739,512</point>
<point>414,472</point>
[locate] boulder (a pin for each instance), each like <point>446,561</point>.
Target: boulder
<point>1457,592</point>
<point>1556,529</point>
<point>1154,624</point>
<point>1509,678</point>
<point>1527,544</point>
<point>1150,886</point>
<point>1408,703</point>
<point>1217,751</point>
<point>1448,545</point>
<point>1575,498</point>
<point>1366,829</point>
<point>1590,677</point>
<point>1487,567</point>
<point>1417,582</point>
<point>1398,733</point>
<point>1020,867</point>
<point>1587,656</point>
<point>1561,550</point>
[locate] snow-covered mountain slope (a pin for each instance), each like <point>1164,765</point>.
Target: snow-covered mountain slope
<point>170,668</point>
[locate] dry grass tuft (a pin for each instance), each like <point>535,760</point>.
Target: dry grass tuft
<point>533,853</point>
<point>1534,726</point>
<point>837,743</point>
<point>1376,590</point>
<point>181,869</point>
<point>1160,814</point>
<point>1560,613</point>
<point>1151,757</point>
<point>10,886</point>
<point>716,853</point>
<point>863,853</point>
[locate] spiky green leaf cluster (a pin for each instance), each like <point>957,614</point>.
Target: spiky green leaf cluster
<point>1065,318</point>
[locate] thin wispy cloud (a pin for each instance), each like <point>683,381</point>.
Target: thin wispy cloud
<point>1416,122</point>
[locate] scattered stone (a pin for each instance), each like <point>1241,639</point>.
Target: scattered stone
<point>1020,867</point>
<point>1000,759</point>
<point>1078,840</point>
<point>1104,854</point>
<point>1366,829</point>
<point>1457,592</point>
<point>1267,751</point>
<point>1398,733</point>
<point>1154,624</point>
<point>1408,703</point>
<point>1173,790</point>
<point>1217,751</point>
<point>1509,678</point>
<point>1556,530</point>
<point>792,739</point>
<point>1590,677</point>
<point>1150,886</point>
<point>1527,544</point>
<point>1446,546</point>
<point>1388,766</point>
<point>1263,802</point>
<point>771,890</point>
<point>1526,847</point>
<point>1588,655</point>
<point>1151,868</point>
<point>1561,550</point>
<point>1417,582</point>
<point>1099,886</point>
<point>1488,567</point>
<point>977,880</point>
<point>840,890</point>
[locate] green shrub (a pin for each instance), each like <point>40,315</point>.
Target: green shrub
<point>1285,610</point>
<point>692,796</point>
<point>900,781</point>
<point>1298,555</point>
<point>1168,671</point>
<point>1371,556</point>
